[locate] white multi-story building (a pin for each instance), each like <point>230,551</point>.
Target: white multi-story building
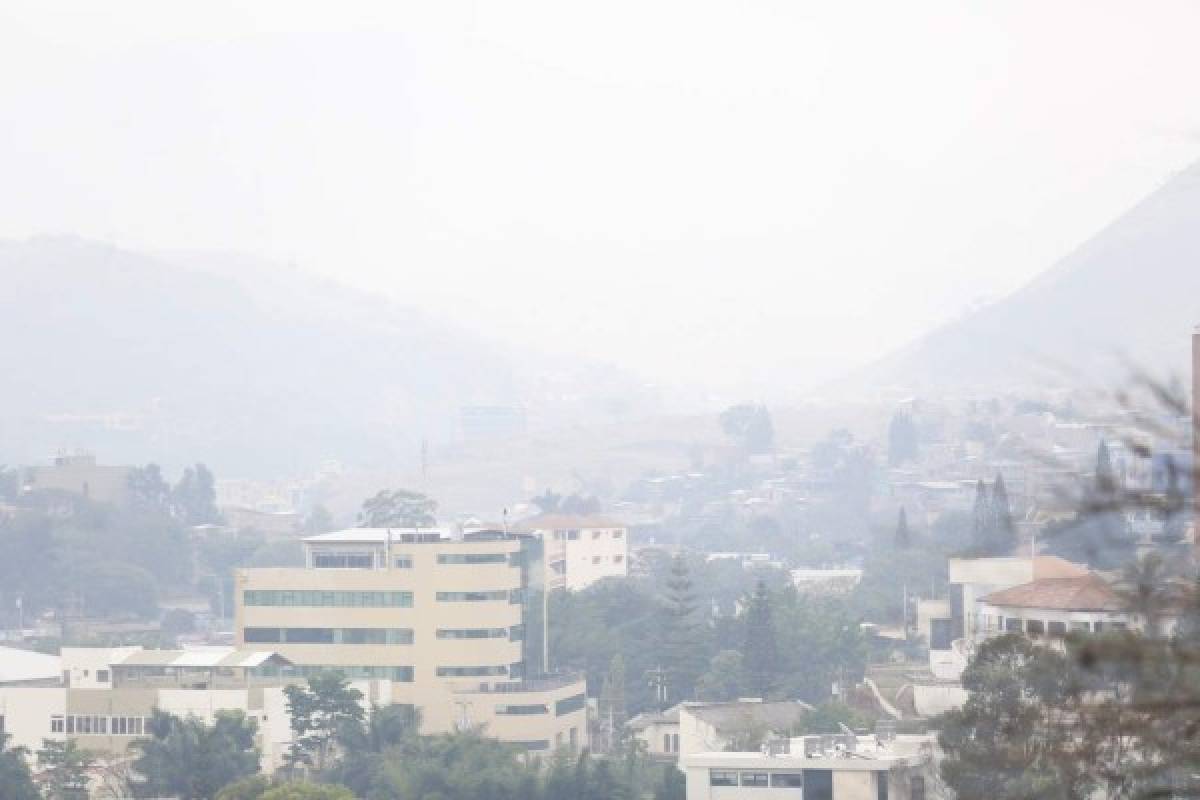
<point>838,767</point>
<point>581,550</point>
<point>453,624</point>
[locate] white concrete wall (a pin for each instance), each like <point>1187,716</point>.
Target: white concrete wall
<point>860,785</point>
<point>931,700</point>
<point>26,712</point>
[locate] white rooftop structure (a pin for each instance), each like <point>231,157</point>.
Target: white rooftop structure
<point>27,666</point>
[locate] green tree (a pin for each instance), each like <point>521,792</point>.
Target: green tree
<point>16,782</point>
<point>398,508</point>
<point>319,520</point>
<point>252,787</point>
<point>612,707</point>
<point>116,588</point>
<point>683,638</point>
<point>386,728</point>
<point>983,521</point>
<point>65,768</point>
<point>829,718</point>
<point>672,785</point>
<point>187,759</point>
<point>725,678</point>
<point>751,426</point>
<point>1003,530</point>
<point>148,490</point>
<point>307,791</point>
<point>903,535</point>
<point>194,497</point>
<point>761,648</point>
<point>319,713</point>
<point>1002,744</point>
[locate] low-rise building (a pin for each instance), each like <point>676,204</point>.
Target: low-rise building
<point>837,767</point>
<point>80,474</point>
<point>580,550</point>
<point>1053,607</point>
<point>106,695</point>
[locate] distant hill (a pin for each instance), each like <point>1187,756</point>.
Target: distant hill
<point>253,368</point>
<point>1131,291</point>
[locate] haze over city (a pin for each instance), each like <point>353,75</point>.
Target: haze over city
<point>633,401</point>
<point>698,194</point>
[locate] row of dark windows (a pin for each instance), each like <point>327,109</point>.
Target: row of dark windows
<point>335,599</point>
<point>99,725</point>
<point>515,633</point>
<point>329,635</point>
<point>398,674</point>
<point>570,704</point>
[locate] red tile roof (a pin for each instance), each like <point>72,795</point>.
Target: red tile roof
<point>1087,592</point>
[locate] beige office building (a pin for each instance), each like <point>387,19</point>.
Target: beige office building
<point>453,623</point>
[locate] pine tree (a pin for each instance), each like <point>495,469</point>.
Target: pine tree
<point>902,439</point>
<point>982,520</point>
<point>761,648</point>
<point>903,535</point>
<point>1106,479</point>
<point>612,703</point>
<point>1003,530</point>
<point>683,637</point>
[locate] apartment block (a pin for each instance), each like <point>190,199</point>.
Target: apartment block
<point>454,624</point>
<point>580,550</point>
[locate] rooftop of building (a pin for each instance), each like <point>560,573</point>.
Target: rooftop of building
<point>557,522</point>
<point>201,658</point>
<point>774,715</point>
<point>25,666</point>
<point>837,752</point>
<point>400,535</point>
<point>1087,592</point>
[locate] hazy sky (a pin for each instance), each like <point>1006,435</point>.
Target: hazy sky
<point>752,193</point>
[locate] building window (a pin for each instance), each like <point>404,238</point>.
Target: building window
<point>1035,627</point>
<point>516,633</point>
<point>261,635</point>
<point>471,672</point>
<point>572,536</point>
<point>916,788</point>
<point>472,633</point>
<point>319,599</point>
<point>472,558</point>
<point>617,559</point>
<point>787,780</point>
<point>595,559</point>
<point>57,723</point>
<point>722,777</point>
<point>881,786</point>
<point>574,738</point>
<point>1080,627</point>
<point>596,534</point>
<point>402,562</point>
<point>618,534</point>
<point>102,675</point>
<point>569,705</point>
<point>533,744</point>
<point>522,711</point>
<point>323,559</point>
<point>473,597</point>
<point>1057,628</point>
<point>1012,625</point>
<point>818,784</point>
<point>667,743</point>
<point>754,779</point>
